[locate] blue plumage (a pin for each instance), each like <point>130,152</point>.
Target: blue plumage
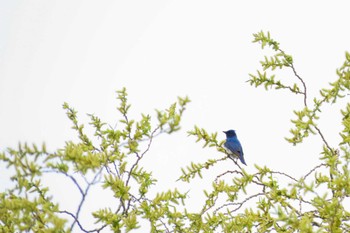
<point>233,145</point>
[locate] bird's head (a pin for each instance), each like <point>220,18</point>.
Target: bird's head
<point>230,133</point>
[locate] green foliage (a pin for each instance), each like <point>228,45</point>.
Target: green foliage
<point>279,60</point>
<point>263,200</point>
<point>314,202</point>
<point>111,158</point>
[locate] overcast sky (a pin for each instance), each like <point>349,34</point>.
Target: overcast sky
<point>81,52</point>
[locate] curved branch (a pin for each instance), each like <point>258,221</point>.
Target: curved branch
<point>80,225</point>
<point>302,81</point>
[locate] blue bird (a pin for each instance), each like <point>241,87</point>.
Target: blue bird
<point>233,145</point>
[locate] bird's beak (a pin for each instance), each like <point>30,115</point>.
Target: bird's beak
<point>224,131</point>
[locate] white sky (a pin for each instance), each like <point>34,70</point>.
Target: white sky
<point>82,51</point>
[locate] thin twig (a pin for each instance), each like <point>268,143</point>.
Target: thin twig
<point>126,209</point>
<point>239,204</point>
<point>302,81</point>
<point>69,176</point>
<point>84,194</point>
<point>284,174</point>
<point>227,172</point>
<point>79,224</point>
<point>312,170</point>
<point>323,138</point>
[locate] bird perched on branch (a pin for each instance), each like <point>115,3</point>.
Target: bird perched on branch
<point>233,146</point>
